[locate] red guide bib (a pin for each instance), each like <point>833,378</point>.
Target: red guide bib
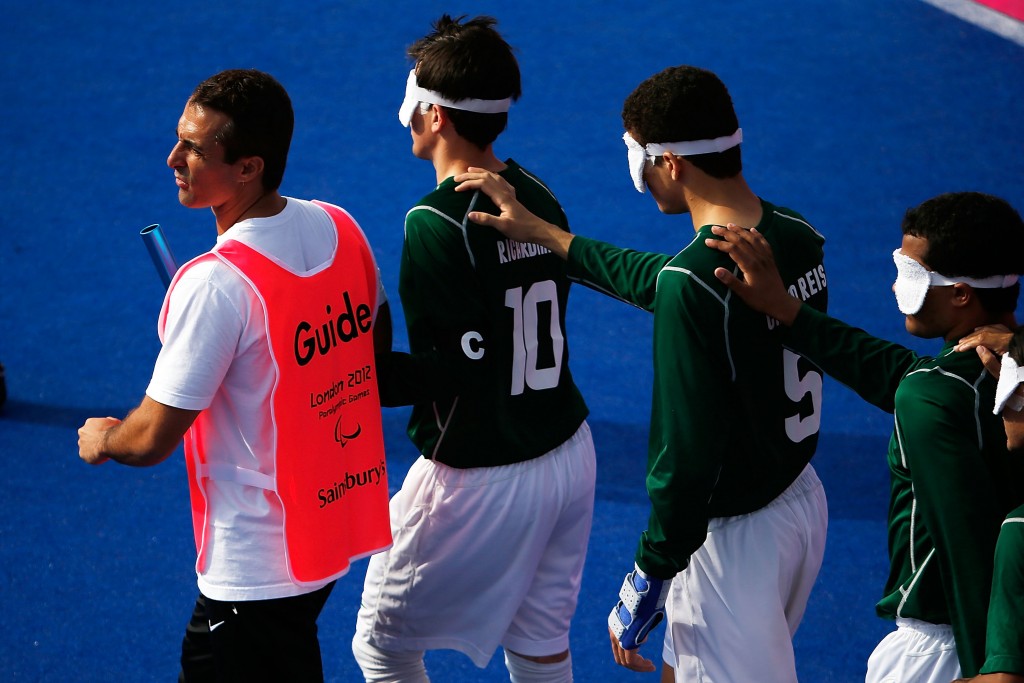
<point>330,475</point>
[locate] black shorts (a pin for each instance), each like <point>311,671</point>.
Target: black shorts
<point>255,640</point>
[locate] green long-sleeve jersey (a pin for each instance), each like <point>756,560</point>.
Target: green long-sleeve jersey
<point>488,369</point>
<point>1004,644</point>
<point>952,480</point>
<point>734,416</point>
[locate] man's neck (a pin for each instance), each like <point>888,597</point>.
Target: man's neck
<point>246,205</point>
<point>452,159</point>
<point>971,323</point>
<point>719,202</point>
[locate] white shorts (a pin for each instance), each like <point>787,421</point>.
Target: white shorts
<point>484,557</point>
<point>733,611</point>
<point>916,652</point>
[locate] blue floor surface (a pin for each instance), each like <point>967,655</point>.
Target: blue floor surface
<point>852,111</point>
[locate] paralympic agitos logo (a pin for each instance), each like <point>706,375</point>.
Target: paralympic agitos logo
<point>341,437</point>
<point>340,329</point>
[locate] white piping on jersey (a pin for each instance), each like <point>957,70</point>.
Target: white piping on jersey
<point>905,592</point>
<point>797,220</point>
<point>977,398</point>
<point>465,232</point>
<point>424,207</point>
<point>689,272</point>
<point>1012,520</point>
<point>460,226</point>
<point>725,306</point>
<point>913,529</point>
<point>913,497</point>
<point>538,181</point>
<point>899,440</point>
<point>442,428</point>
<point>903,457</point>
<point>977,407</point>
<point>728,338</point>
<point>606,292</point>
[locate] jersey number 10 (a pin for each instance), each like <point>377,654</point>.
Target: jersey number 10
<point>526,352</point>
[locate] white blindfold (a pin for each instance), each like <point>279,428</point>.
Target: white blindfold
<point>639,154</point>
<point>913,281</point>
<point>414,94</point>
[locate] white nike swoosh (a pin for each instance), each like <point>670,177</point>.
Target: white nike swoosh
<point>213,627</point>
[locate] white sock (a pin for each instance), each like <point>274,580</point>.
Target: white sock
<point>389,666</point>
<point>522,670</point>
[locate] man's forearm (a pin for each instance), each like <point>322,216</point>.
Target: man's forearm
<point>555,240</point>
<point>147,436</point>
<point>129,445</point>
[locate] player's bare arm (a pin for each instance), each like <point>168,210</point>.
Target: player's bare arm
<point>515,220</point>
<point>995,338</point>
<point>761,287</point>
<point>146,437</point>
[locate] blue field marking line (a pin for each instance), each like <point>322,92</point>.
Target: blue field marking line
<point>983,17</point>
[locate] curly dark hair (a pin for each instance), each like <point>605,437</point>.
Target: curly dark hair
<point>972,234</point>
<point>468,59</point>
<point>684,103</point>
<point>261,118</point>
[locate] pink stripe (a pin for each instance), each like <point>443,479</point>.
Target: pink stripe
<point>1011,8</point>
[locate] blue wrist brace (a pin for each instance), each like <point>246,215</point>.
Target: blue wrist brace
<point>641,607</point>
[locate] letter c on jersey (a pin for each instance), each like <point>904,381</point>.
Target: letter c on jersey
<point>472,345</point>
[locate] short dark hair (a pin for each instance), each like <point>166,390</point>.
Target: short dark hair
<point>683,103</point>
<point>975,235</point>
<point>468,60</point>
<point>261,118</point>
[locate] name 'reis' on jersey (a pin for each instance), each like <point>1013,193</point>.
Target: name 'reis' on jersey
<point>486,316</point>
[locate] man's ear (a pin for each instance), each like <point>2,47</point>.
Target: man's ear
<point>963,294</point>
<point>678,166</point>
<point>249,169</point>
<point>437,118</point>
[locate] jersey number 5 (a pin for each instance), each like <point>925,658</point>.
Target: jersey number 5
<point>799,428</point>
<point>526,351</point>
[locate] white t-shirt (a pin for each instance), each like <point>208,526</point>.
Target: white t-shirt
<point>215,357</point>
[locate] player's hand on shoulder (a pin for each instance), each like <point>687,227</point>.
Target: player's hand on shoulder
<point>498,189</point>
<point>761,285</point>
<point>491,184</point>
<point>751,252</point>
<point>991,361</point>
<point>515,220</point>
<point>995,338</point>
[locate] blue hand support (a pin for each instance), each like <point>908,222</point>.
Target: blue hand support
<point>641,607</point>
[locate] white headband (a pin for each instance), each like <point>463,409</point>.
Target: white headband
<point>913,281</point>
<point>414,94</point>
<point>638,155</point>
<point>1010,376</point>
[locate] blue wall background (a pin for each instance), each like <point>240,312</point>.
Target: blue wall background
<point>852,110</point>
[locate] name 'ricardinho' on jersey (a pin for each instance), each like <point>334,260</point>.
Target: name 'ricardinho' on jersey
<point>510,250</point>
